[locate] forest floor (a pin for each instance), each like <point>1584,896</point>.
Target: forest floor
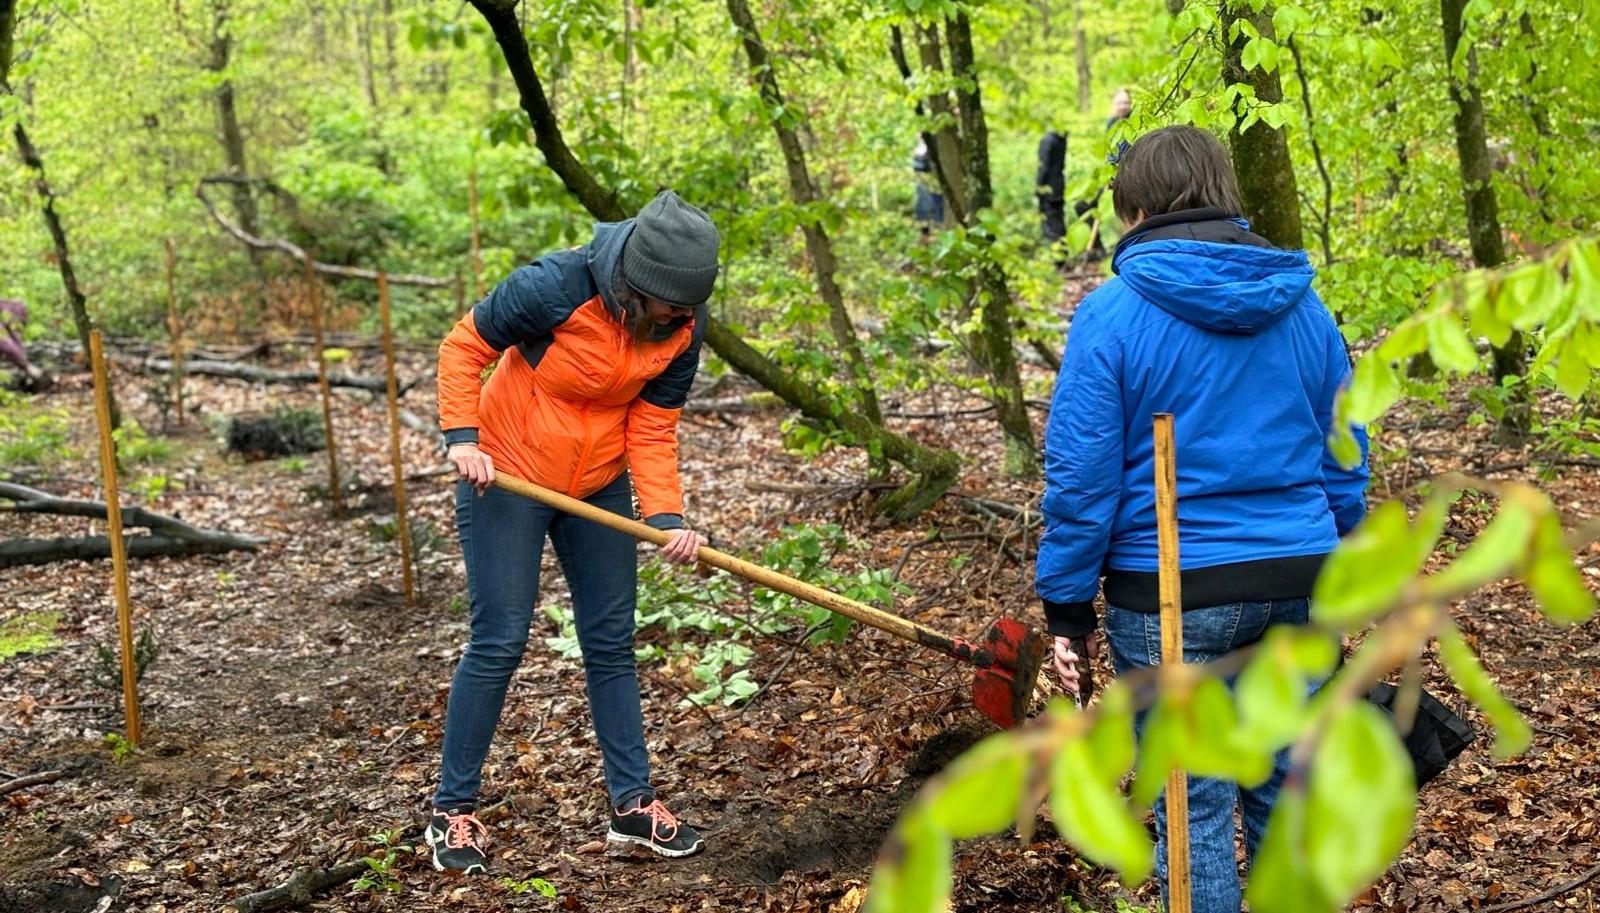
<point>297,702</point>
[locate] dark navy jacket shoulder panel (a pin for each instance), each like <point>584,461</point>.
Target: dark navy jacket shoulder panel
<point>535,299</point>
<point>670,389</point>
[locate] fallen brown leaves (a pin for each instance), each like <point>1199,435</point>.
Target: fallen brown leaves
<point>298,703</point>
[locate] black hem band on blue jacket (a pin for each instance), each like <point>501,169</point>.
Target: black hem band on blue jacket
<point>1140,591</point>
<point>1246,581</point>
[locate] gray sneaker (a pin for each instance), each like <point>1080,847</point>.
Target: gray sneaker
<point>650,825</point>
<point>456,837</point>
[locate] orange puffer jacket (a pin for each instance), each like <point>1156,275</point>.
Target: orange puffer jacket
<point>575,400</point>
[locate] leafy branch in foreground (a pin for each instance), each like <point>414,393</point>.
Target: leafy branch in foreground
<point>1559,293</point>
<point>1321,849</point>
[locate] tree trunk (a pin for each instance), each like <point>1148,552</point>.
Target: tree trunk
<point>232,137</point>
<point>8,24</point>
<point>390,62</point>
<point>996,348</point>
<point>1261,154</point>
<point>77,302</point>
<point>1483,213</point>
<point>932,470</point>
<point>803,190</point>
<point>1325,226</point>
<point>946,141</point>
<point>1081,49</point>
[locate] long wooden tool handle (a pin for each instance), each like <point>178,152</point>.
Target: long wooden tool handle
<point>755,573</point>
<point>1178,892</point>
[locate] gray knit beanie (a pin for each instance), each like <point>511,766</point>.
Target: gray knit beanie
<point>672,252</point>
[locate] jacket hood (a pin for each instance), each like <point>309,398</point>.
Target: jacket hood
<point>1212,272</point>
<point>605,254</point>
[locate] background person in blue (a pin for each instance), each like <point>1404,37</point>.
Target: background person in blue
<point>1213,324</point>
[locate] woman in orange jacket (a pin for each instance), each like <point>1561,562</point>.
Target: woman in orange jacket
<point>598,346</point>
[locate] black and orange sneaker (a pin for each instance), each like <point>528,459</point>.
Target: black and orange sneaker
<point>649,824</point>
<point>457,837</point>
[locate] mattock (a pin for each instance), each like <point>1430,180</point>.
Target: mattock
<point>1007,662</point>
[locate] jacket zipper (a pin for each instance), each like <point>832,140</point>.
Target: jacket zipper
<point>588,430</point>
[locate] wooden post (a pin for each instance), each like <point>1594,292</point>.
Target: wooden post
<point>175,330</point>
<point>402,528</point>
<point>472,209</point>
<point>1179,900</point>
<point>314,289</point>
<point>119,549</point>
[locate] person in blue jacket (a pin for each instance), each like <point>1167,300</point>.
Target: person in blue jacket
<point>1215,325</point>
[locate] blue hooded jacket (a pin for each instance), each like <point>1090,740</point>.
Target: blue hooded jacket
<point>1214,325</point>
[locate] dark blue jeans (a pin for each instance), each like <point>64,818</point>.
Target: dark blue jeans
<point>502,537</point>
<point>1135,639</point>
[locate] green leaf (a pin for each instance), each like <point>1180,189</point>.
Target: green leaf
<point>1554,581</point>
<point>1250,57</point>
<point>1090,812</point>
<point>916,877</point>
<point>1485,321</point>
<point>1280,876</point>
<point>1512,735</point>
<point>1351,842</point>
<point>1078,237</point>
<point>1111,740</point>
<point>982,789</point>
<point>1374,388</point>
<point>1406,340</point>
<point>1449,346</point>
<point>1373,564</point>
<point>1493,553</point>
<point>1572,369</point>
<point>1272,691</point>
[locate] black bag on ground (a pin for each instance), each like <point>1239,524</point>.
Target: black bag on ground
<point>1437,735</point>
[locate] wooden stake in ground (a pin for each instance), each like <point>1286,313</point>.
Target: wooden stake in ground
<point>119,549</point>
<point>402,528</point>
<point>1179,900</point>
<point>477,249</point>
<point>176,331</point>
<point>314,289</point>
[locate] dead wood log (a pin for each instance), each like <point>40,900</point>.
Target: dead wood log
<point>38,779</point>
<point>169,535</point>
<point>261,375</point>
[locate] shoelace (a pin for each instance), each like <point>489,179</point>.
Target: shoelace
<point>659,817</point>
<point>463,831</point>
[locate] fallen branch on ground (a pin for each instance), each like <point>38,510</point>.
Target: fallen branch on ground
<point>169,536</point>
<point>1549,895</point>
<point>260,375</point>
<point>38,779</point>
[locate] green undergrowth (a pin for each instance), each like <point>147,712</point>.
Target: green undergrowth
<point>709,626</point>
<point>34,632</point>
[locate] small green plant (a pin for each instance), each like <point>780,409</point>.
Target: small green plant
<point>458,604</point>
<point>334,355</point>
<point>121,748</point>
<point>529,886</point>
<point>105,669</point>
<point>151,487</point>
<point>293,464</point>
<point>30,436</point>
<point>134,446</point>
<point>226,579</point>
<point>380,875</point>
<point>31,633</point>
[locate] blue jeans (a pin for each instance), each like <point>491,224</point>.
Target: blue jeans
<point>1135,639</point>
<point>502,536</point>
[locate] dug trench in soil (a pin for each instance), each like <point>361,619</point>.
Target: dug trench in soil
<point>839,834</point>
